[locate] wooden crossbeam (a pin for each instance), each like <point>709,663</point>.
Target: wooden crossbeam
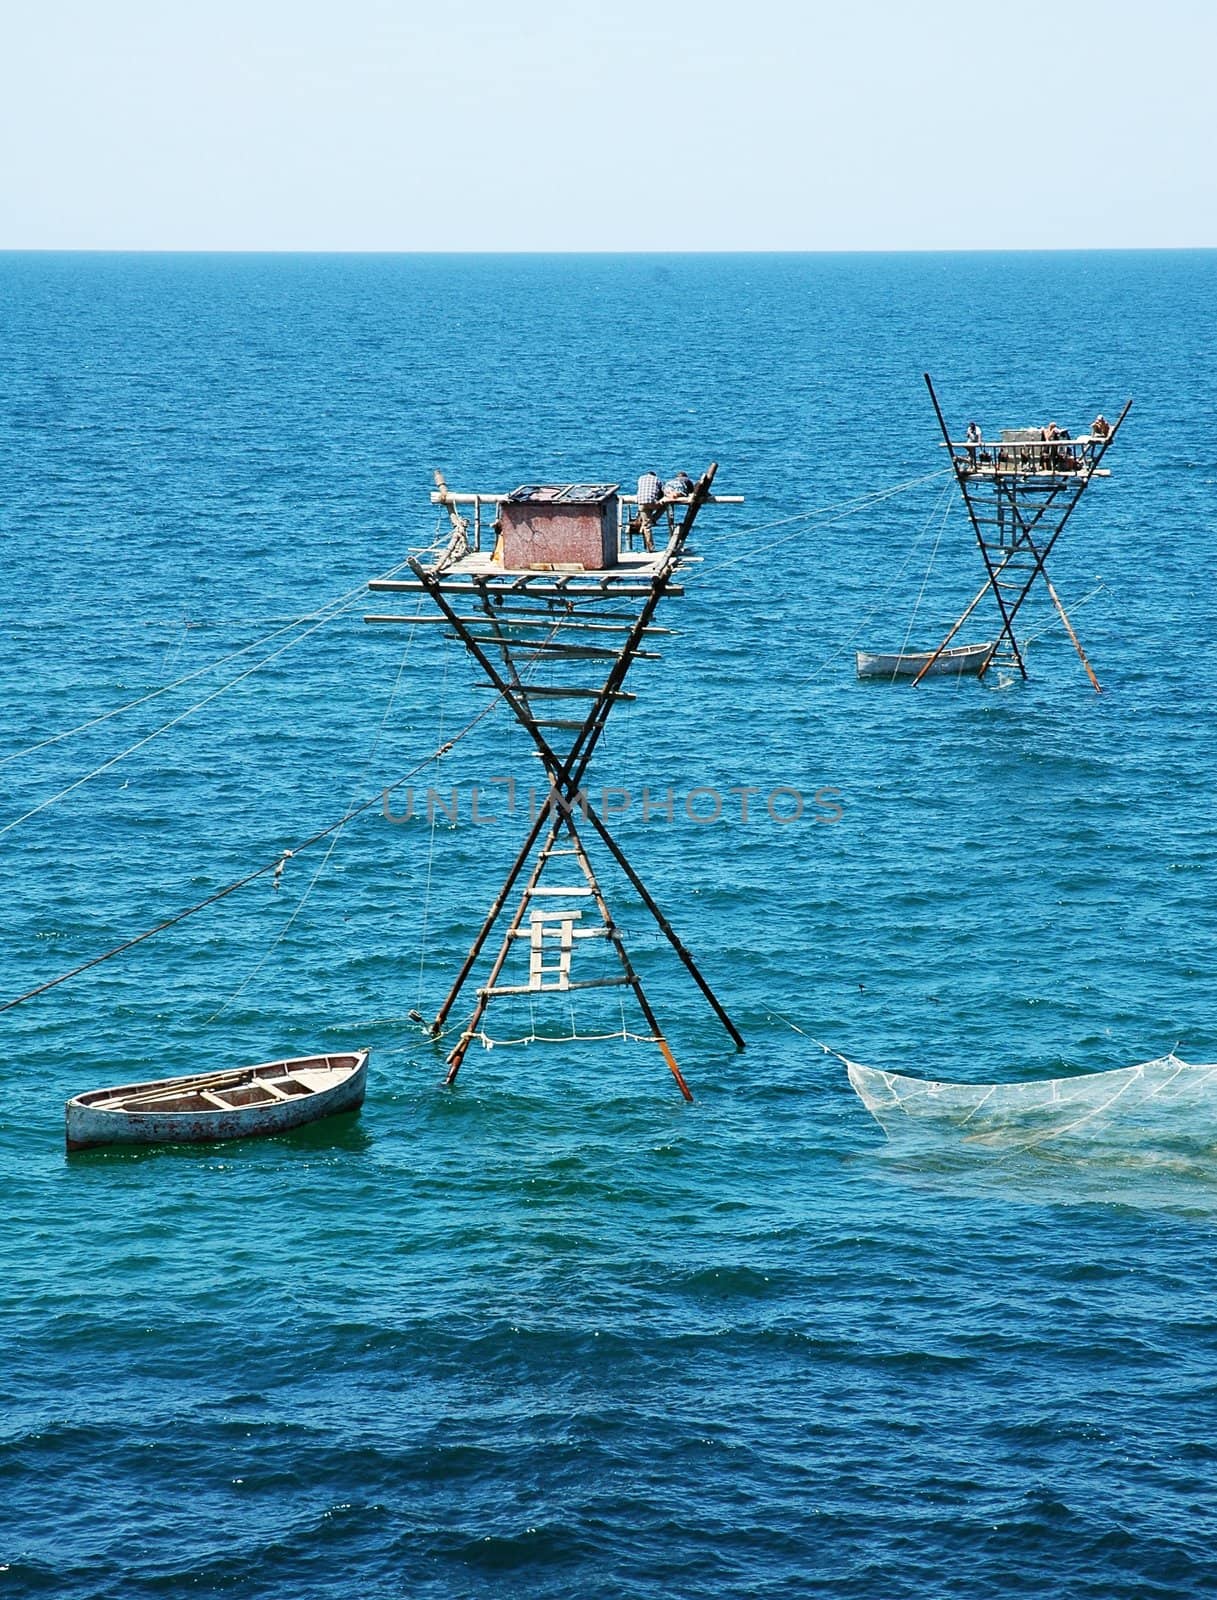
<point>556,691</point>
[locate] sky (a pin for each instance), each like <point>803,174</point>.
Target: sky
<point>625,125</point>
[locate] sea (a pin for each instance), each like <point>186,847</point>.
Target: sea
<point>550,1331</point>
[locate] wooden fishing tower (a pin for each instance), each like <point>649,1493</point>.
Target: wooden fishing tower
<point>1020,490</point>
<point>559,577</point>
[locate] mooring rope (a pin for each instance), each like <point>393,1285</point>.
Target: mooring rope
<point>924,581</point>
<point>276,865</point>
<point>887,588</point>
<point>563,1038</point>
<point>165,726</point>
<point>333,845</point>
<point>270,866</point>
<point>831,514</point>
<point>339,601</point>
<point>422,941</point>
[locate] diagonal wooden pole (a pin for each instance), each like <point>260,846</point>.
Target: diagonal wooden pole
<point>1077,643</point>
<point>1007,629</point>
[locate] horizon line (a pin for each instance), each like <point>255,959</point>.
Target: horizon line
<point>887,250</point>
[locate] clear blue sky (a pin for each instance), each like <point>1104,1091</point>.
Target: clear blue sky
<point>627,124</point>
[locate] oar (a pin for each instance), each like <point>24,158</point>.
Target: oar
<point>213,1080</point>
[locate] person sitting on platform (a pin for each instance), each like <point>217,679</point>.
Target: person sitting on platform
<point>1100,428</point>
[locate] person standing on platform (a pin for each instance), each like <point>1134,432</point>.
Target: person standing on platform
<point>649,496</point>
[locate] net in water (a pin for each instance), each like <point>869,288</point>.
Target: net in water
<point>1152,1097</point>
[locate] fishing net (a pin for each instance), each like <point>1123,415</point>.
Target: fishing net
<point>1147,1099</point>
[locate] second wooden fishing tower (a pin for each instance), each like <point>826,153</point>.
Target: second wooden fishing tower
<point>1020,490</point>
<point>559,579</point>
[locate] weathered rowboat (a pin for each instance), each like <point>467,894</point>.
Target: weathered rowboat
<point>237,1104</point>
<point>960,658</point>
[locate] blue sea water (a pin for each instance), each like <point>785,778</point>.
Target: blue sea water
<point>553,1332</point>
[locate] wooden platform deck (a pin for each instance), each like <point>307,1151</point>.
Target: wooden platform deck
<point>632,566</point>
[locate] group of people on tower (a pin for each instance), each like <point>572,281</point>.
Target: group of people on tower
<point>654,497</point>
<point>1063,456</point>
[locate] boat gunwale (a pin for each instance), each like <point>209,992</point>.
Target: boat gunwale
<point>232,1077</point>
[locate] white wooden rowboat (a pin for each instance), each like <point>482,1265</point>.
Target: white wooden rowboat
<point>238,1104</point>
<point>960,658</point>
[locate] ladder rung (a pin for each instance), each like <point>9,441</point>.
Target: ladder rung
<point>555,650</point>
<point>537,651</point>
<point>553,889</point>
<point>524,988</point>
<point>555,691</point>
<point>535,619</point>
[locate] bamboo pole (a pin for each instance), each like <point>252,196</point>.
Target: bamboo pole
<point>1007,629</point>
<point>458,544</point>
